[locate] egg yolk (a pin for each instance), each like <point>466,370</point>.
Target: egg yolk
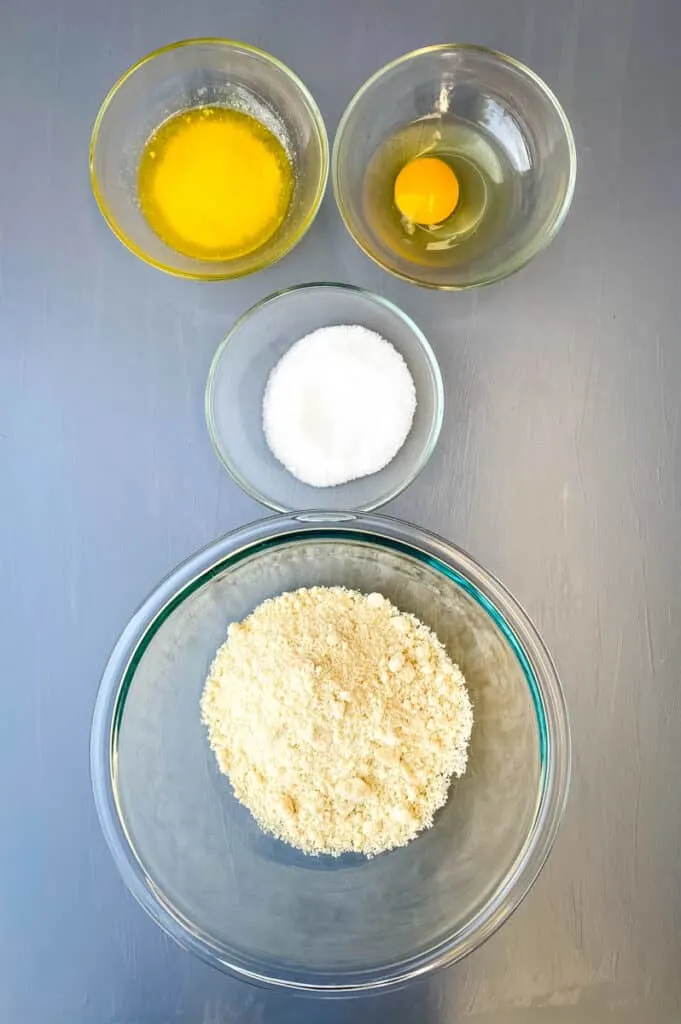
<point>426,190</point>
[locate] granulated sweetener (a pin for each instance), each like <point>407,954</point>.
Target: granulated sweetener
<point>338,405</point>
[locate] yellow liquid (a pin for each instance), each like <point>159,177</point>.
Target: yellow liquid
<point>214,183</point>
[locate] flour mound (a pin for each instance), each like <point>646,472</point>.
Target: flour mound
<point>338,719</point>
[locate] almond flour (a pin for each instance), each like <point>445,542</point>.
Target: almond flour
<point>339,720</point>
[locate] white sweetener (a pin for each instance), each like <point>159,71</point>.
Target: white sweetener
<point>338,405</point>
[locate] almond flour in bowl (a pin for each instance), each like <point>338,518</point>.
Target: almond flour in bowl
<point>257,908</point>
<point>339,720</point>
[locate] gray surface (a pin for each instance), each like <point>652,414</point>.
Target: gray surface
<point>559,467</point>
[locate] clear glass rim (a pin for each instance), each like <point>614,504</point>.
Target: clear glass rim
<point>492,596</point>
<point>226,273</point>
<point>527,254</point>
<point>430,357</point>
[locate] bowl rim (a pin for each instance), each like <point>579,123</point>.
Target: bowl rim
<point>508,615</point>
<point>504,58</point>
<point>317,118</point>
<point>424,345</point>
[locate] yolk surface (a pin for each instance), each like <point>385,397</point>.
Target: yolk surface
<point>214,183</point>
<point>426,190</point>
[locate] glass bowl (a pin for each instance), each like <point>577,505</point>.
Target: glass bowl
<point>247,903</point>
<point>504,101</point>
<point>196,73</point>
<point>240,370</point>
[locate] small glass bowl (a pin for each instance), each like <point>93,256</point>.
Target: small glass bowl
<point>198,73</point>
<point>253,906</point>
<point>500,98</point>
<point>242,365</point>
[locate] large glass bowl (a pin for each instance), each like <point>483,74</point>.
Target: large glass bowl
<point>247,903</point>
<point>199,73</point>
<point>241,368</point>
<point>503,100</point>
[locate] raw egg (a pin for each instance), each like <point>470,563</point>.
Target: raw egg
<point>426,190</point>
